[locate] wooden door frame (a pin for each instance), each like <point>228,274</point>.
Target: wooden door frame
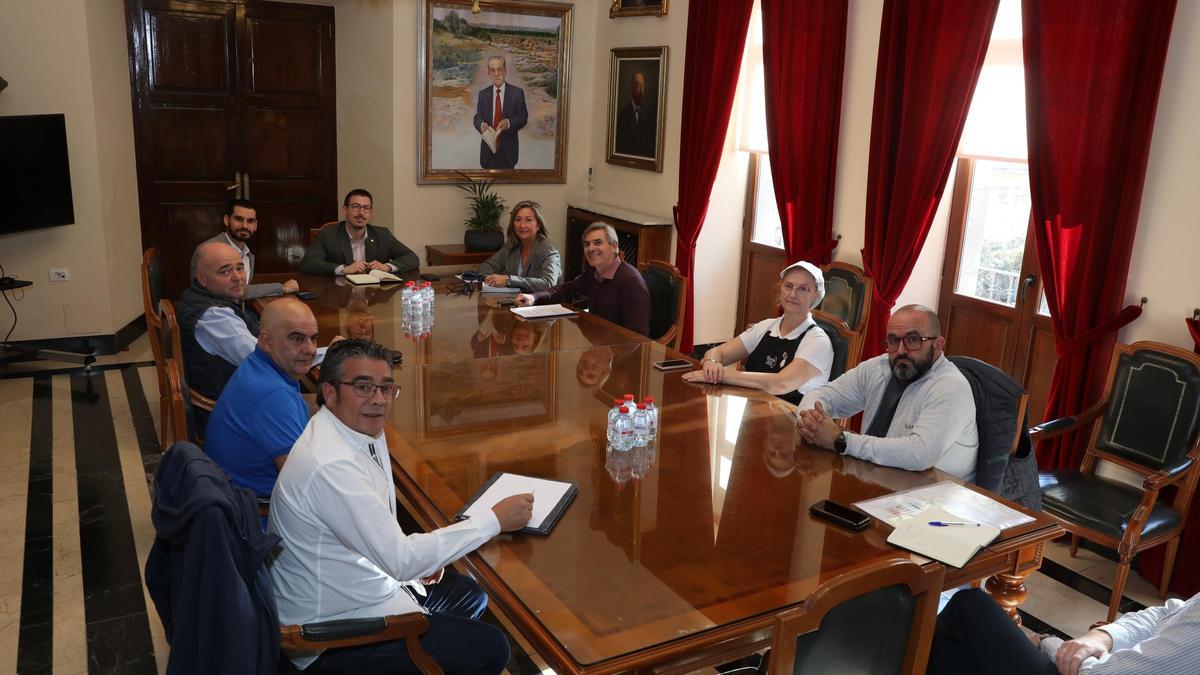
<point>749,247</point>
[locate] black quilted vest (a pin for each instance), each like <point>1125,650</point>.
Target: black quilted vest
<point>207,374</point>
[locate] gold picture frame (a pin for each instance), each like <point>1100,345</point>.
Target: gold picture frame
<point>523,44</point>
<point>637,8</point>
<point>637,102</point>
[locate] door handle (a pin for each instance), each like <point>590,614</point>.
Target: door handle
<point>246,185</point>
<point>237,186</point>
<point>1025,284</point>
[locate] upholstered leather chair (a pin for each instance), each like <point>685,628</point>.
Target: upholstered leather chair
<point>1000,421</point>
<point>314,231</point>
<point>667,287</point>
<point>1148,421</point>
<point>182,423</point>
<point>876,619</point>
<point>848,292</point>
<point>153,291</point>
<point>847,345</point>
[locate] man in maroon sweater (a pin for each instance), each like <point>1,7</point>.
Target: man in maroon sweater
<point>614,289</point>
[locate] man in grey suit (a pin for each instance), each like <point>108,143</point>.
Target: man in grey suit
<point>241,222</point>
<point>354,246</point>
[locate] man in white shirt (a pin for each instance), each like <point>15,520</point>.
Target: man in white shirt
<point>241,222</point>
<point>975,636</point>
<point>918,410</point>
<point>343,553</point>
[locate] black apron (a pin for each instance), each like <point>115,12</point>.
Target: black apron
<point>772,354</point>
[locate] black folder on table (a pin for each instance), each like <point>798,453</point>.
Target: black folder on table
<point>502,485</point>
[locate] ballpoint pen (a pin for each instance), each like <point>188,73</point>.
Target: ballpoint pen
<point>947,523</point>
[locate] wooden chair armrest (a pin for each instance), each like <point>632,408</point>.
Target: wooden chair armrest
<point>264,505</point>
<point>354,632</point>
<point>1168,474</point>
<point>1062,425</point>
<point>201,401</point>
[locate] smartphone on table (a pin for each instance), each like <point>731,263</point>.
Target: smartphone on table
<point>673,364</point>
<point>840,514</point>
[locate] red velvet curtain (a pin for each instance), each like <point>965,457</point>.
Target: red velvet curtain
<point>716,39</point>
<point>930,54</point>
<point>1092,75</point>
<point>804,51</point>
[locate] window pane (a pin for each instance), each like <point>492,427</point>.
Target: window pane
<point>994,236</point>
<point>1044,308</point>
<point>767,228</point>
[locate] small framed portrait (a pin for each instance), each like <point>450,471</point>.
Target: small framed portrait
<point>637,8</point>
<point>493,90</point>
<point>637,98</point>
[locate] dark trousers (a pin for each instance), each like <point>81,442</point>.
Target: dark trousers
<point>455,638</point>
<point>974,635</point>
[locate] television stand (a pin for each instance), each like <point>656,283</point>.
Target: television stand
<point>13,352</point>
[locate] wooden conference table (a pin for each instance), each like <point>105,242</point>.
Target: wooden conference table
<point>672,557</point>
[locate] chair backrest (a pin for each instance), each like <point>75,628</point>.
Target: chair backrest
<point>152,292</point>
<point>847,345</point>
<point>183,414</point>
<point>1153,414</point>
<point>168,332</point>
<point>667,288</point>
<point>876,619</point>
<point>314,231</point>
<point>848,292</point>
<point>1000,404</point>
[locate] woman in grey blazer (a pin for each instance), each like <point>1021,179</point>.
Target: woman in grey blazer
<point>527,260</point>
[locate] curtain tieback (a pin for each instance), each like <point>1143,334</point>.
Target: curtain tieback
<point>886,303</point>
<point>1122,318</point>
<point>1194,328</point>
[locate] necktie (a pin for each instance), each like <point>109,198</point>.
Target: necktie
<point>887,408</point>
<point>496,110</point>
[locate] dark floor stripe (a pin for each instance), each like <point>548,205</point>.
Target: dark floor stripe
<point>143,423</point>
<point>1041,627</point>
<point>118,630</point>
<point>35,643</point>
<point>1092,589</point>
<point>74,370</point>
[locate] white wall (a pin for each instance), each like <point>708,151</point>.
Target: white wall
<point>70,57</point>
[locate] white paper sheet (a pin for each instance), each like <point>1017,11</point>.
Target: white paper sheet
<point>543,311</point>
<point>546,495</point>
<point>964,503</point>
<point>952,545</point>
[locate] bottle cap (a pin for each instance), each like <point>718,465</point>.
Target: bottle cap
<point>648,400</point>
<point>641,406</point>
<point>409,284</point>
<point>618,402</point>
<point>628,397</point>
<point>624,410</point>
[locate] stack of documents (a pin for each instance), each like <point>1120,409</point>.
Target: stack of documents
<point>943,536</point>
<point>543,311</point>
<point>488,288</point>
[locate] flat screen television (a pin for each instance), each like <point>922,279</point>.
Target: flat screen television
<point>35,173</point>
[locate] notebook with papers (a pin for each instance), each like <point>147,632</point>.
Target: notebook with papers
<point>550,499</point>
<point>943,536</point>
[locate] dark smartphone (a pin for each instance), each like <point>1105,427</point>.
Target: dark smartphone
<point>673,364</point>
<point>506,303</point>
<point>306,295</point>
<point>839,514</point>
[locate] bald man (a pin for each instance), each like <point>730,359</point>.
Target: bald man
<point>260,413</point>
<point>918,409</point>
<point>217,330</point>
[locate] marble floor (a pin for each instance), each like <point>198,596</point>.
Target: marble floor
<point>77,457</point>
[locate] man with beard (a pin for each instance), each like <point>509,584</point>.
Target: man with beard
<point>636,121</point>
<point>917,406</point>
<point>355,246</point>
<point>241,222</point>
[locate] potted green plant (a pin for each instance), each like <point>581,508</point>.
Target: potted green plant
<point>483,223</point>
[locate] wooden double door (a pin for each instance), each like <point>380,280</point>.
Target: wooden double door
<point>232,99</point>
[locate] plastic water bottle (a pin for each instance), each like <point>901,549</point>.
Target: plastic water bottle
<point>427,289</point>
<point>406,300</point>
<point>623,426</point>
<point>612,418</point>
<point>641,425</point>
<point>652,414</point>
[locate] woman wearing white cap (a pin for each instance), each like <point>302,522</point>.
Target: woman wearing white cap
<point>786,356</point>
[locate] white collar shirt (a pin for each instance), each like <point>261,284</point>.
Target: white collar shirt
<point>343,553</point>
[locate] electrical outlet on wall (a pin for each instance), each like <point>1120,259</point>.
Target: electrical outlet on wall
<point>60,274</point>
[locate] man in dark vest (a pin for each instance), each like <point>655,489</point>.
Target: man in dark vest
<point>216,329</point>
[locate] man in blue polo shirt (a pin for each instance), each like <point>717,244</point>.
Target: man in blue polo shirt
<point>260,413</point>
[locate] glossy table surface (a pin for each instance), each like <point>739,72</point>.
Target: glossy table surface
<point>704,529</point>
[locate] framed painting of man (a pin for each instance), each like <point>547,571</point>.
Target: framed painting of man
<point>493,90</point>
<point>637,97</point>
